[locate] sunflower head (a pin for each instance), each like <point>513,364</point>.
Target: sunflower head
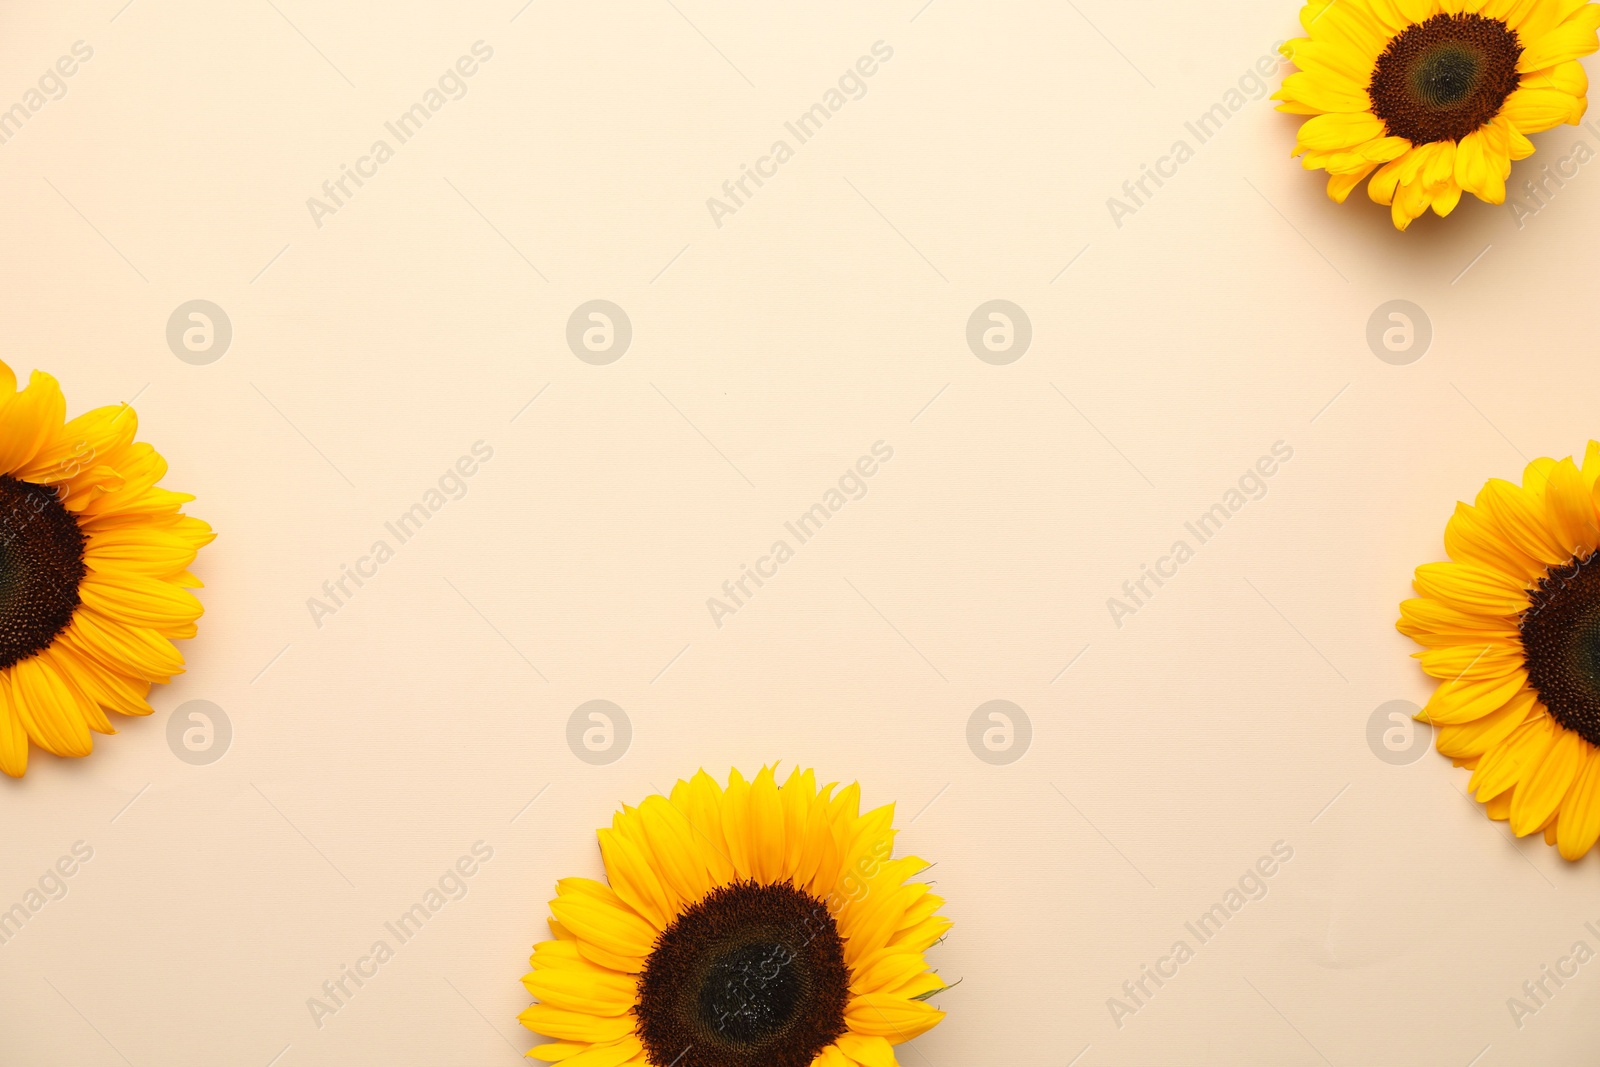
<point>761,925</point>
<point>1511,628</point>
<point>94,579</point>
<point>1435,96</point>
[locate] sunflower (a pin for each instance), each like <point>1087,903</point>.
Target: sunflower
<point>94,582</point>
<point>1511,627</point>
<point>1437,96</point>
<point>754,926</point>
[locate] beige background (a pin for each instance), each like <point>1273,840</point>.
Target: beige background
<point>828,313</point>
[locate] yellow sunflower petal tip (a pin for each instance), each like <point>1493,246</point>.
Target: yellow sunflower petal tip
<point>97,559</point>
<point>757,924</point>
<point>1461,89</point>
<point>1509,628</point>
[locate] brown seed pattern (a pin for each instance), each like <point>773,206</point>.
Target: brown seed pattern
<point>1561,645</point>
<point>749,976</point>
<point>41,567</point>
<point>1445,77</point>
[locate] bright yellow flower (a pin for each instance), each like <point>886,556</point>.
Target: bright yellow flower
<point>1511,627</point>
<point>94,579</point>
<point>754,926</point>
<point>1436,96</point>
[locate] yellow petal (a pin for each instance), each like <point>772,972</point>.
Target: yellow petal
<point>1473,536</point>
<point>631,878</point>
<point>591,991</point>
<point>766,829</point>
<point>1570,78</point>
<point>1532,19</point>
<point>1573,39</point>
<point>1471,661</point>
<point>1329,132</point>
<point>1511,764</point>
<point>82,443</point>
<point>886,969</point>
<point>867,1051</point>
<point>1579,824</point>
<point>575,1026</point>
<point>1542,791</point>
<point>700,799</point>
<point>48,708</point>
<point>1340,186</point>
<point>1535,110</point>
<point>138,600</point>
<point>895,1019</point>
<point>678,858</point>
<point>1470,739</point>
<point>1418,10</point>
<point>1471,588</point>
<point>1334,58</point>
<point>612,927</point>
<point>1570,509</point>
<point>1324,91</point>
<point>29,420</point>
<point>1421,615</point>
<point>736,823</point>
<point>1459,702</point>
<point>13,737</point>
<point>136,651</point>
<point>1520,513</point>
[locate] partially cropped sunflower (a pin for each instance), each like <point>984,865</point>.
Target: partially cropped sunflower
<point>1512,630</point>
<point>1437,96</point>
<point>753,926</point>
<point>94,582</point>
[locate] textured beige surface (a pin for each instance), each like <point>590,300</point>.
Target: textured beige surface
<point>827,312</point>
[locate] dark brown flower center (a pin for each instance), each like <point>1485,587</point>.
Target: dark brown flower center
<point>1561,645</point>
<point>750,976</point>
<point>1445,77</point>
<point>41,566</point>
